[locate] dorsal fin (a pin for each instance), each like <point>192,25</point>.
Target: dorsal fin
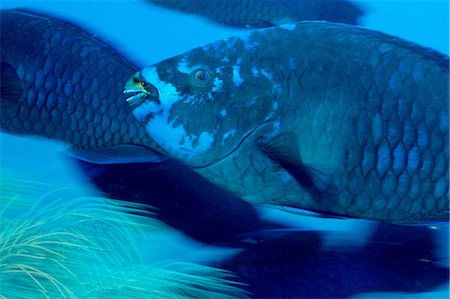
<point>438,58</point>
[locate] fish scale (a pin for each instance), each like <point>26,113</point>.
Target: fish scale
<point>72,85</point>
<point>366,116</point>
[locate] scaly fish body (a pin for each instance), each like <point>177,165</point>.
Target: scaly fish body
<point>59,82</point>
<point>313,115</point>
<point>267,13</point>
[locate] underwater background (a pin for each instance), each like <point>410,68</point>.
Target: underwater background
<point>145,34</point>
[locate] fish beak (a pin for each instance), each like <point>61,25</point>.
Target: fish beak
<point>141,91</point>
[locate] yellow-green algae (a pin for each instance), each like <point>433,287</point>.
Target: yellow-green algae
<point>54,244</point>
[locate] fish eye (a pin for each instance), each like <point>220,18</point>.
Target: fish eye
<point>202,77</point>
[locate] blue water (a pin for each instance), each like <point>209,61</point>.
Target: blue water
<point>146,34</point>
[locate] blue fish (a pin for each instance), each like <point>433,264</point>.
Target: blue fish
<point>59,82</point>
<point>318,116</point>
<point>181,198</point>
<point>267,13</point>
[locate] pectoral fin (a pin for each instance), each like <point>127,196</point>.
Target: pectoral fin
<point>119,154</point>
<point>284,150</point>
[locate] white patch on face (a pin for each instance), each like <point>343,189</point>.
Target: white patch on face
<point>237,79</point>
<point>249,45</point>
<point>204,142</point>
<point>223,112</point>
<point>275,87</point>
<point>168,137</point>
<point>289,27</point>
<point>227,135</point>
<point>255,71</point>
<point>168,95</point>
<point>190,99</point>
<point>217,85</point>
<point>174,140</point>
<point>183,67</point>
<point>267,74</point>
<point>210,96</point>
<point>276,129</point>
<point>219,70</point>
<point>143,110</point>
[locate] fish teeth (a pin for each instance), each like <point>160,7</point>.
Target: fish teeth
<point>135,100</point>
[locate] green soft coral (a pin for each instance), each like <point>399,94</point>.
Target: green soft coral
<point>60,245</point>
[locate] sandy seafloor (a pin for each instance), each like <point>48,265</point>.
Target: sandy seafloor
<point>145,34</point>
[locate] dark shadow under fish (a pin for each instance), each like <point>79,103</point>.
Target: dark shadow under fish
<point>267,13</point>
<point>297,265</point>
<point>59,82</point>
<point>276,262</point>
<point>181,198</point>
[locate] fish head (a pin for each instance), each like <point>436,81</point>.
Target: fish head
<point>202,105</point>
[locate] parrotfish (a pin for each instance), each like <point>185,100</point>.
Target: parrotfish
<point>316,116</point>
<point>267,13</point>
<point>60,82</point>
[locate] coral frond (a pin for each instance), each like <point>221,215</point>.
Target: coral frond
<point>60,245</point>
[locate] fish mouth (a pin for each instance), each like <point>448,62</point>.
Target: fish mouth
<point>138,98</point>
<point>140,92</point>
